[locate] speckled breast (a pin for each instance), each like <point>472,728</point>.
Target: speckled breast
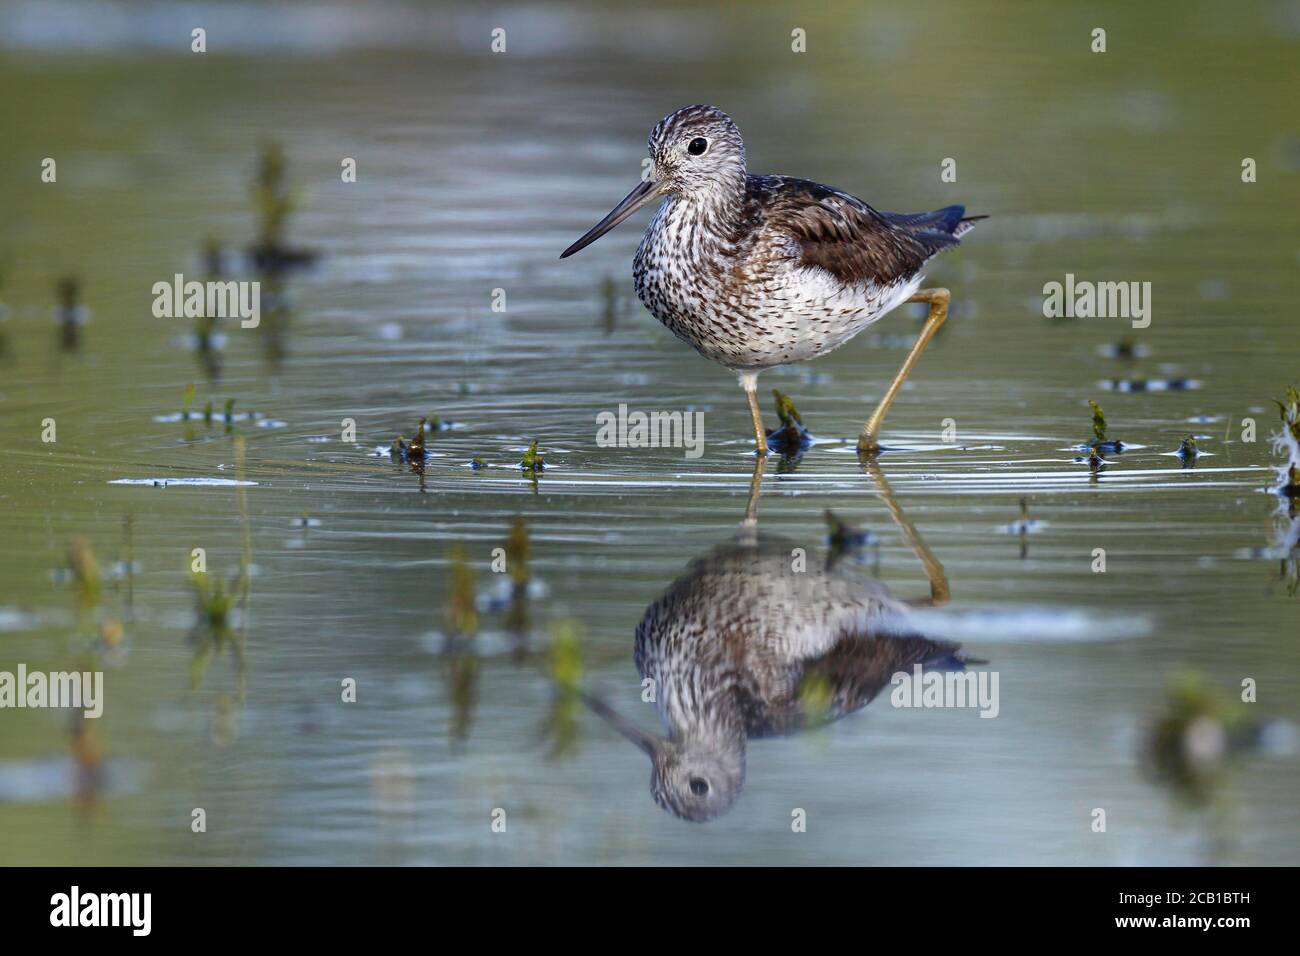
<point>750,307</point>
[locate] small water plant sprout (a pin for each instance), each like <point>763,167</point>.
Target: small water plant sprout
<point>214,630</point>
<point>1100,443</point>
<point>1099,440</point>
<point>532,461</point>
<point>790,438</point>
<point>1188,452</point>
<point>413,451</point>
<point>274,200</point>
<point>85,574</point>
<point>564,664</point>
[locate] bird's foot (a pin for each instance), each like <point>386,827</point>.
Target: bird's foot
<point>868,446</point>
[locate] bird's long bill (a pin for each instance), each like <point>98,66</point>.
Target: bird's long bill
<point>644,193</point>
<point>646,741</point>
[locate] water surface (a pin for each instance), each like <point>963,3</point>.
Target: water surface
<point>475,170</point>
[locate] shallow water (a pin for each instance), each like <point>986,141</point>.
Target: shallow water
<point>474,172</point>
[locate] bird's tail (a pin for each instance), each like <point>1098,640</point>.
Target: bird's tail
<point>950,222</point>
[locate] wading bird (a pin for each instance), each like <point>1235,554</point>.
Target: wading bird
<point>760,271</point>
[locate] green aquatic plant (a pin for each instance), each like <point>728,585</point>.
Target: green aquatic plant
<point>791,437</point>
<point>213,632</point>
<point>272,198</point>
<point>214,602</point>
<point>215,598</point>
<point>785,410</point>
<point>1099,443</point>
<point>412,451</point>
<point>415,450</point>
<point>1098,423</point>
<point>532,460</point>
<point>85,574</point>
<point>564,664</point>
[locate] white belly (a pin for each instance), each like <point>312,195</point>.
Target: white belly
<point>752,317</point>
<point>814,313</point>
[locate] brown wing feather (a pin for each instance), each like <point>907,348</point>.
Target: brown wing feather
<point>840,233</point>
<point>853,671</point>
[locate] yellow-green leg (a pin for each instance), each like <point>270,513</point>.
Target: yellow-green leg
<point>868,441</point>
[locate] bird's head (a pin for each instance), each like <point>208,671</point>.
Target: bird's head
<point>693,779</point>
<point>697,155</point>
<point>696,782</point>
<point>697,152</point>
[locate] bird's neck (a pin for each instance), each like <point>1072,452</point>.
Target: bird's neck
<point>703,711</point>
<point>714,211</point>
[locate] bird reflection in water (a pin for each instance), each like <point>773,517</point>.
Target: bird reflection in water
<point>753,642</point>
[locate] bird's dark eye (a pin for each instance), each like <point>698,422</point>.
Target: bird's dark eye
<point>699,786</point>
<point>697,146</point>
